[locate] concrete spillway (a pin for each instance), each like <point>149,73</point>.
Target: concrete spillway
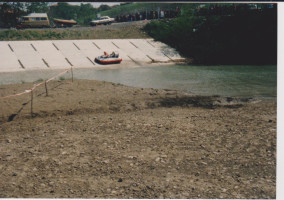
<point>61,54</point>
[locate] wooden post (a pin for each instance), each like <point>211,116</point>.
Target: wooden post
<point>31,103</point>
<point>46,88</point>
<point>72,73</point>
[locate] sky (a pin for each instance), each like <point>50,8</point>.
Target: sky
<point>95,4</point>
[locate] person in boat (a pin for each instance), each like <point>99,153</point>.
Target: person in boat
<point>106,55</point>
<point>114,55</point>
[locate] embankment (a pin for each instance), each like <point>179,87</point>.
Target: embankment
<point>19,56</point>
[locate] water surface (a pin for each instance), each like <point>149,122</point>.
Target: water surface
<point>225,80</point>
<point>260,81</point>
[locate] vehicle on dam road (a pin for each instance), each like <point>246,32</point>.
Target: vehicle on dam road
<point>40,20</point>
<point>102,20</point>
<point>113,58</point>
<point>64,23</point>
<point>33,20</point>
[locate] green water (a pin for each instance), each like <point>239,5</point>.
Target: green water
<point>248,81</point>
<point>231,80</point>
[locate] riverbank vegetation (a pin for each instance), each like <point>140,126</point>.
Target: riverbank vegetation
<point>247,37</point>
<point>134,32</point>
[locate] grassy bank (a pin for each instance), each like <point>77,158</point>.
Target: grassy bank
<point>68,34</point>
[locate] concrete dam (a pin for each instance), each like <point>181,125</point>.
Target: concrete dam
<point>18,56</point>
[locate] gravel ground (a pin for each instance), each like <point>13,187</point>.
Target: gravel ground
<point>91,139</point>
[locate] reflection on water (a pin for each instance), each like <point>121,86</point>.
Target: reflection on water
<point>235,80</point>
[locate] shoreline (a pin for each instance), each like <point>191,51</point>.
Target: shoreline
<point>148,98</point>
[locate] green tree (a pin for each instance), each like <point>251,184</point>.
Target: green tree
<point>86,13</point>
<point>37,7</point>
<point>247,37</point>
<point>64,11</point>
<point>83,14</point>
<point>10,13</point>
<point>103,8</point>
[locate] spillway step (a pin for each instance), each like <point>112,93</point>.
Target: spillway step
<point>115,45</point>
<point>55,46</point>
<point>133,44</point>
<point>68,61</point>
<point>21,64</point>
<point>76,46</point>
<point>150,43</point>
<point>150,58</point>
<point>45,63</point>
<point>11,48</point>
<point>96,45</point>
<point>33,47</point>
<point>90,60</point>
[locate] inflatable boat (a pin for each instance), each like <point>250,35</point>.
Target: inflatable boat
<point>108,59</point>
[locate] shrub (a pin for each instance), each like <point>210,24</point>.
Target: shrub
<point>248,38</point>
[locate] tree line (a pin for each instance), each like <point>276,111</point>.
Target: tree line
<point>246,37</point>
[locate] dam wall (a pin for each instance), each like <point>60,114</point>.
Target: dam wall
<point>61,54</point>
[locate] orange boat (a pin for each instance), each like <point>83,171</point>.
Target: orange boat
<point>113,58</point>
<point>63,22</point>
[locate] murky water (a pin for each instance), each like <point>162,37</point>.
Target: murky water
<point>203,80</point>
<point>245,81</point>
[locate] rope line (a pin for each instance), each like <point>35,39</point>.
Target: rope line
<point>35,86</point>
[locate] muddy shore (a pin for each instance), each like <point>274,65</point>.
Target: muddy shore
<point>92,139</point>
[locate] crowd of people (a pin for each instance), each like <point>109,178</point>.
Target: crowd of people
<point>218,9</point>
<point>152,14</point>
<point>200,10</point>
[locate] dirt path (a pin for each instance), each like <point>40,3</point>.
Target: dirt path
<point>94,139</point>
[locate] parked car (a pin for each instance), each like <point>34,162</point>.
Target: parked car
<point>102,20</point>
